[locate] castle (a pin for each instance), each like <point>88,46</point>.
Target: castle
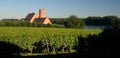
<point>33,17</point>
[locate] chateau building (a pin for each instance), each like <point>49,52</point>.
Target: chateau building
<point>33,17</point>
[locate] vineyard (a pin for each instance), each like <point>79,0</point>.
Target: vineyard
<point>43,40</point>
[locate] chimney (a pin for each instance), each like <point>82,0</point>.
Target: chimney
<point>41,13</point>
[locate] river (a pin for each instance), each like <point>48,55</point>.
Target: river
<point>94,27</point>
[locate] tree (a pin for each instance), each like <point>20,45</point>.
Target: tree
<point>92,20</point>
<point>74,22</point>
<point>9,49</point>
<point>104,44</point>
<point>111,20</point>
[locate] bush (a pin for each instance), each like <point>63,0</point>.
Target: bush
<point>74,22</point>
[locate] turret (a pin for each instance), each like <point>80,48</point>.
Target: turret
<point>41,13</point>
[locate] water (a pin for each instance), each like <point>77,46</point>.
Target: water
<point>94,27</point>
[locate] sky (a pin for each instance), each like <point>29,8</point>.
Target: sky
<point>17,9</point>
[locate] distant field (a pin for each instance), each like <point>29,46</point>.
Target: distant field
<point>25,37</point>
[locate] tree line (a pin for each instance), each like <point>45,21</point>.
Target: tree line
<point>71,22</point>
<point>102,21</point>
<point>22,23</point>
<point>91,20</point>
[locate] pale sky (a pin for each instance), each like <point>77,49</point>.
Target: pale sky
<point>17,9</point>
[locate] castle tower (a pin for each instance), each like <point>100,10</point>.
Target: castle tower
<point>41,13</point>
